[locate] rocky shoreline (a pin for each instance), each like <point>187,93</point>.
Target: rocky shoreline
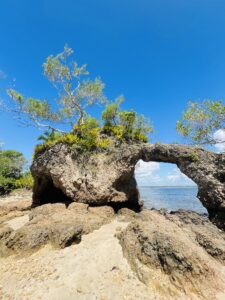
<point>61,174</point>
<point>147,255</point>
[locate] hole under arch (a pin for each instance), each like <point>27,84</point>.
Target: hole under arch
<point>163,185</point>
<point>46,192</point>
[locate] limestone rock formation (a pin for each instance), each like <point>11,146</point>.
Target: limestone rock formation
<point>63,175</point>
<point>55,224</point>
<point>179,255</point>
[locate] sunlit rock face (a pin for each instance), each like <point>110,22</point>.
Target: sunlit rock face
<point>180,254</point>
<point>107,178</point>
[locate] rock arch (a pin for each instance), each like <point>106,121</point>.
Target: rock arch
<point>108,177</point>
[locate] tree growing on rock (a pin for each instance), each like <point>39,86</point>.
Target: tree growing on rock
<point>125,125</point>
<point>203,123</point>
<point>75,93</point>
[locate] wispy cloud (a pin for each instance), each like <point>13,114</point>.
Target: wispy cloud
<point>219,135</point>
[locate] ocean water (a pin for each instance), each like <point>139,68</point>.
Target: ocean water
<point>171,198</point>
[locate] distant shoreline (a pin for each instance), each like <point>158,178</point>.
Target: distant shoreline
<point>169,186</point>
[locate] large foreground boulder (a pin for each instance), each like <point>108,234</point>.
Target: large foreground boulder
<point>61,174</point>
<point>179,255</point>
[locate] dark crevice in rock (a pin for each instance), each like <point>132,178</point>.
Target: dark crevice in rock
<point>130,204</point>
<point>45,192</point>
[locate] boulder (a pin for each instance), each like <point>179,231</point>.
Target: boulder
<point>167,254</point>
<point>54,224</point>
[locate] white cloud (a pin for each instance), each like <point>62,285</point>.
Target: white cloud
<point>146,172</point>
<point>219,135</point>
<point>178,177</point>
<point>143,169</point>
<point>160,174</point>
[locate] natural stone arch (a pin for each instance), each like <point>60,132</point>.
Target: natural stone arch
<point>108,177</point>
<point>163,186</point>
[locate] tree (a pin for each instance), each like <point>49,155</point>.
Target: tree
<point>12,176</point>
<point>75,92</point>
<point>12,163</point>
<point>200,122</point>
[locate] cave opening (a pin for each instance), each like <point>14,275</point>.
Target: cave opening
<point>163,185</point>
<point>46,192</point>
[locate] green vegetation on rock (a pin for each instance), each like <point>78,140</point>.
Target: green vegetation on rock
<point>75,94</point>
<point>125,125</point>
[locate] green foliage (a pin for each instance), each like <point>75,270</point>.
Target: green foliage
<point>194,157</point>
<point>86,137</point>
<point>111,112</point>
<point>49,136</point>
<point>200,121</point>
<point>7,184</point>
<point>11,163</point>
<point>125,125</point>
<point>25,181</point>
<point>75,92</point>
<point>12,174</point>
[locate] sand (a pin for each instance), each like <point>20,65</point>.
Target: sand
<point>93,269</point>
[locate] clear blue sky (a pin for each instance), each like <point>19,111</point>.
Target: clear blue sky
<point>158,54</point>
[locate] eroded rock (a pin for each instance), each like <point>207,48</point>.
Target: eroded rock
<point>166,253</point>
<point>55,224</point>
<point>63,175</point>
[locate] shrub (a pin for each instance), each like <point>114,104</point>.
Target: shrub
<point>86,137</point>
<point>7,184</point>
<point>111,112</point>
<point>125,125</point>
<point>25,181</point>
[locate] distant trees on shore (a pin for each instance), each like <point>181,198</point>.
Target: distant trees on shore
<point>13,174</point>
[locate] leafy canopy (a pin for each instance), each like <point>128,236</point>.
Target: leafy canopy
<point>11,163</point>
<point>75,92</point>
<point>200,121</point>
<point>12,171</point>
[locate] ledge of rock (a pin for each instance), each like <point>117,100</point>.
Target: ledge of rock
<point>54,224</point>
<point>63,175</point>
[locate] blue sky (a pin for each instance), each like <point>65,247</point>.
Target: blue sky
<point>158,54</point>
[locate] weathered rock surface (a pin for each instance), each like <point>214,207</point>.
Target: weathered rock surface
<point>15,205</point>
<point>55,224</point>
<point>161,255</point>
<point>180,255</point>
<point>63,175</point>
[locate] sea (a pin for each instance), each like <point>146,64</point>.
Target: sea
<point>171,198</point>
